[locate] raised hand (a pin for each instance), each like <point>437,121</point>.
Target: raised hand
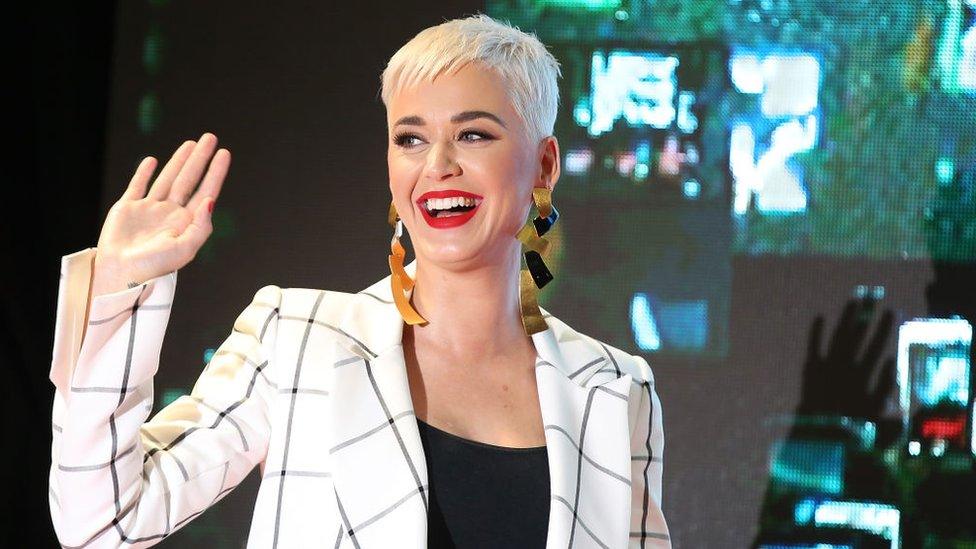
<point>838,381</point>
<point>148,235</point>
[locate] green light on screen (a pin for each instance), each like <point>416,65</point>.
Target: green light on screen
<point>171,394</point>
<point>582,4</point>
<point>149,113</point>
<point>152,51</point>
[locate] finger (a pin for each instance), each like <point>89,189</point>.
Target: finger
<point>840,339</point>
<point>872,353</point>
<point>192,170</point>
<point>160,188</point>
<point>860,325</point>
<point>197,232</point>
<point>213,181</point>
<point>136,189</point>
<point>815,340</point>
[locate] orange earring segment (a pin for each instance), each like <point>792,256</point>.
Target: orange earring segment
<point>400,281</point>
<point>396,265</point>
<point>392,216</point>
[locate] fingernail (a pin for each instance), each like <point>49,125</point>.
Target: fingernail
<point>210,207</point>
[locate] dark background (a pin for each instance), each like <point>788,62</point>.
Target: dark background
<point>293,92</point>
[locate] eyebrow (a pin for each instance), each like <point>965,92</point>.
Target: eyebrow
<point>465,116</point>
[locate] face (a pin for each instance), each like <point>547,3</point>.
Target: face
<point>462,168</point>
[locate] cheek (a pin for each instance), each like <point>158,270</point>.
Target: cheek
<point>511,180</point>
<point>509,209</point>
<point>402,179</point>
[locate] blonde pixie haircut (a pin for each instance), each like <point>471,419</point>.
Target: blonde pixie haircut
<point>522,61</point>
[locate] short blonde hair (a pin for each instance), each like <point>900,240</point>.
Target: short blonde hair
<point>521,60</point>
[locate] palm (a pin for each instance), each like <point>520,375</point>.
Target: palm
<point>146,230</point>
<point>147,235</point>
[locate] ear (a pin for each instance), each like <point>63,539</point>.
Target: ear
<point>548,162</point>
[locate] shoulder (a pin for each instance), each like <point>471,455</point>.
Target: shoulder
<point>616,358</point>
<point>320,304</point>
<point>330,305</point>
<point>363,320</point>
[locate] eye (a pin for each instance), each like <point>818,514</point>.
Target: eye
<point>480,136</point>
<point>405,139</point>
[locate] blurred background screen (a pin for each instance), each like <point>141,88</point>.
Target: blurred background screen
<point>773,201</point>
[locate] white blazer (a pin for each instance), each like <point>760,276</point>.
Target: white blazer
<point>312,385</point>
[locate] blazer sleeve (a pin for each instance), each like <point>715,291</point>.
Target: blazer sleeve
<point>647,525</point>
<point>117,480</point>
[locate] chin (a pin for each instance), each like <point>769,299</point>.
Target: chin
<point>451,257</point>
<point>461,257</point>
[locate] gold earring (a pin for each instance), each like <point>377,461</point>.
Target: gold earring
<point>400,281</point>
<point>536,275</point>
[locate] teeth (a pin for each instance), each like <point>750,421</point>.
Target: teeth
<point>448,203</point>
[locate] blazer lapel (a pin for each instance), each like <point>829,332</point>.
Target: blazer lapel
<point>585,401</point>
<point>378,464</point>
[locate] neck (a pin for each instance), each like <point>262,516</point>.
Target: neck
<point>471,312</point>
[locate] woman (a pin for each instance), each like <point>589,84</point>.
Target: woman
<point>438,407</point>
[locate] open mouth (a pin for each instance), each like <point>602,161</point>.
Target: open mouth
<point>449,207</point>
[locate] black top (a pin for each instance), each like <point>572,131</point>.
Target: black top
<point>482,495</point>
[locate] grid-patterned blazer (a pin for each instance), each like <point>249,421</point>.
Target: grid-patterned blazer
<point>311,385</point>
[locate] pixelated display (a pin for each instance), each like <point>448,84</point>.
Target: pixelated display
<point>934,380</point>
<point>638,161</point>
<point>699,135</point>
<point>879,519</point>
<point>755,130</point>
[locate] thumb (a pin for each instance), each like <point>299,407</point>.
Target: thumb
<point>198,230</point>
<point>202,216</point>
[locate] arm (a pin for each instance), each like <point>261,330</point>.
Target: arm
<point>647,525</point>
<point>117,480</point>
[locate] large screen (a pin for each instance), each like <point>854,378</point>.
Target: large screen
<point>772,201</point>
<point>727,161</point>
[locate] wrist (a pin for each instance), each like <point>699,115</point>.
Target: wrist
<point>108,280</point>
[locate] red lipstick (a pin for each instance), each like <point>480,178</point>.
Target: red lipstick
<point>447,222</point>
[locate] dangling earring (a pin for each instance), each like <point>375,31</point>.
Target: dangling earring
<point>537,275</point>
<point>400,281</point>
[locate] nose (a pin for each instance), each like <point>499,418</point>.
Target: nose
<point>441,163</point>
